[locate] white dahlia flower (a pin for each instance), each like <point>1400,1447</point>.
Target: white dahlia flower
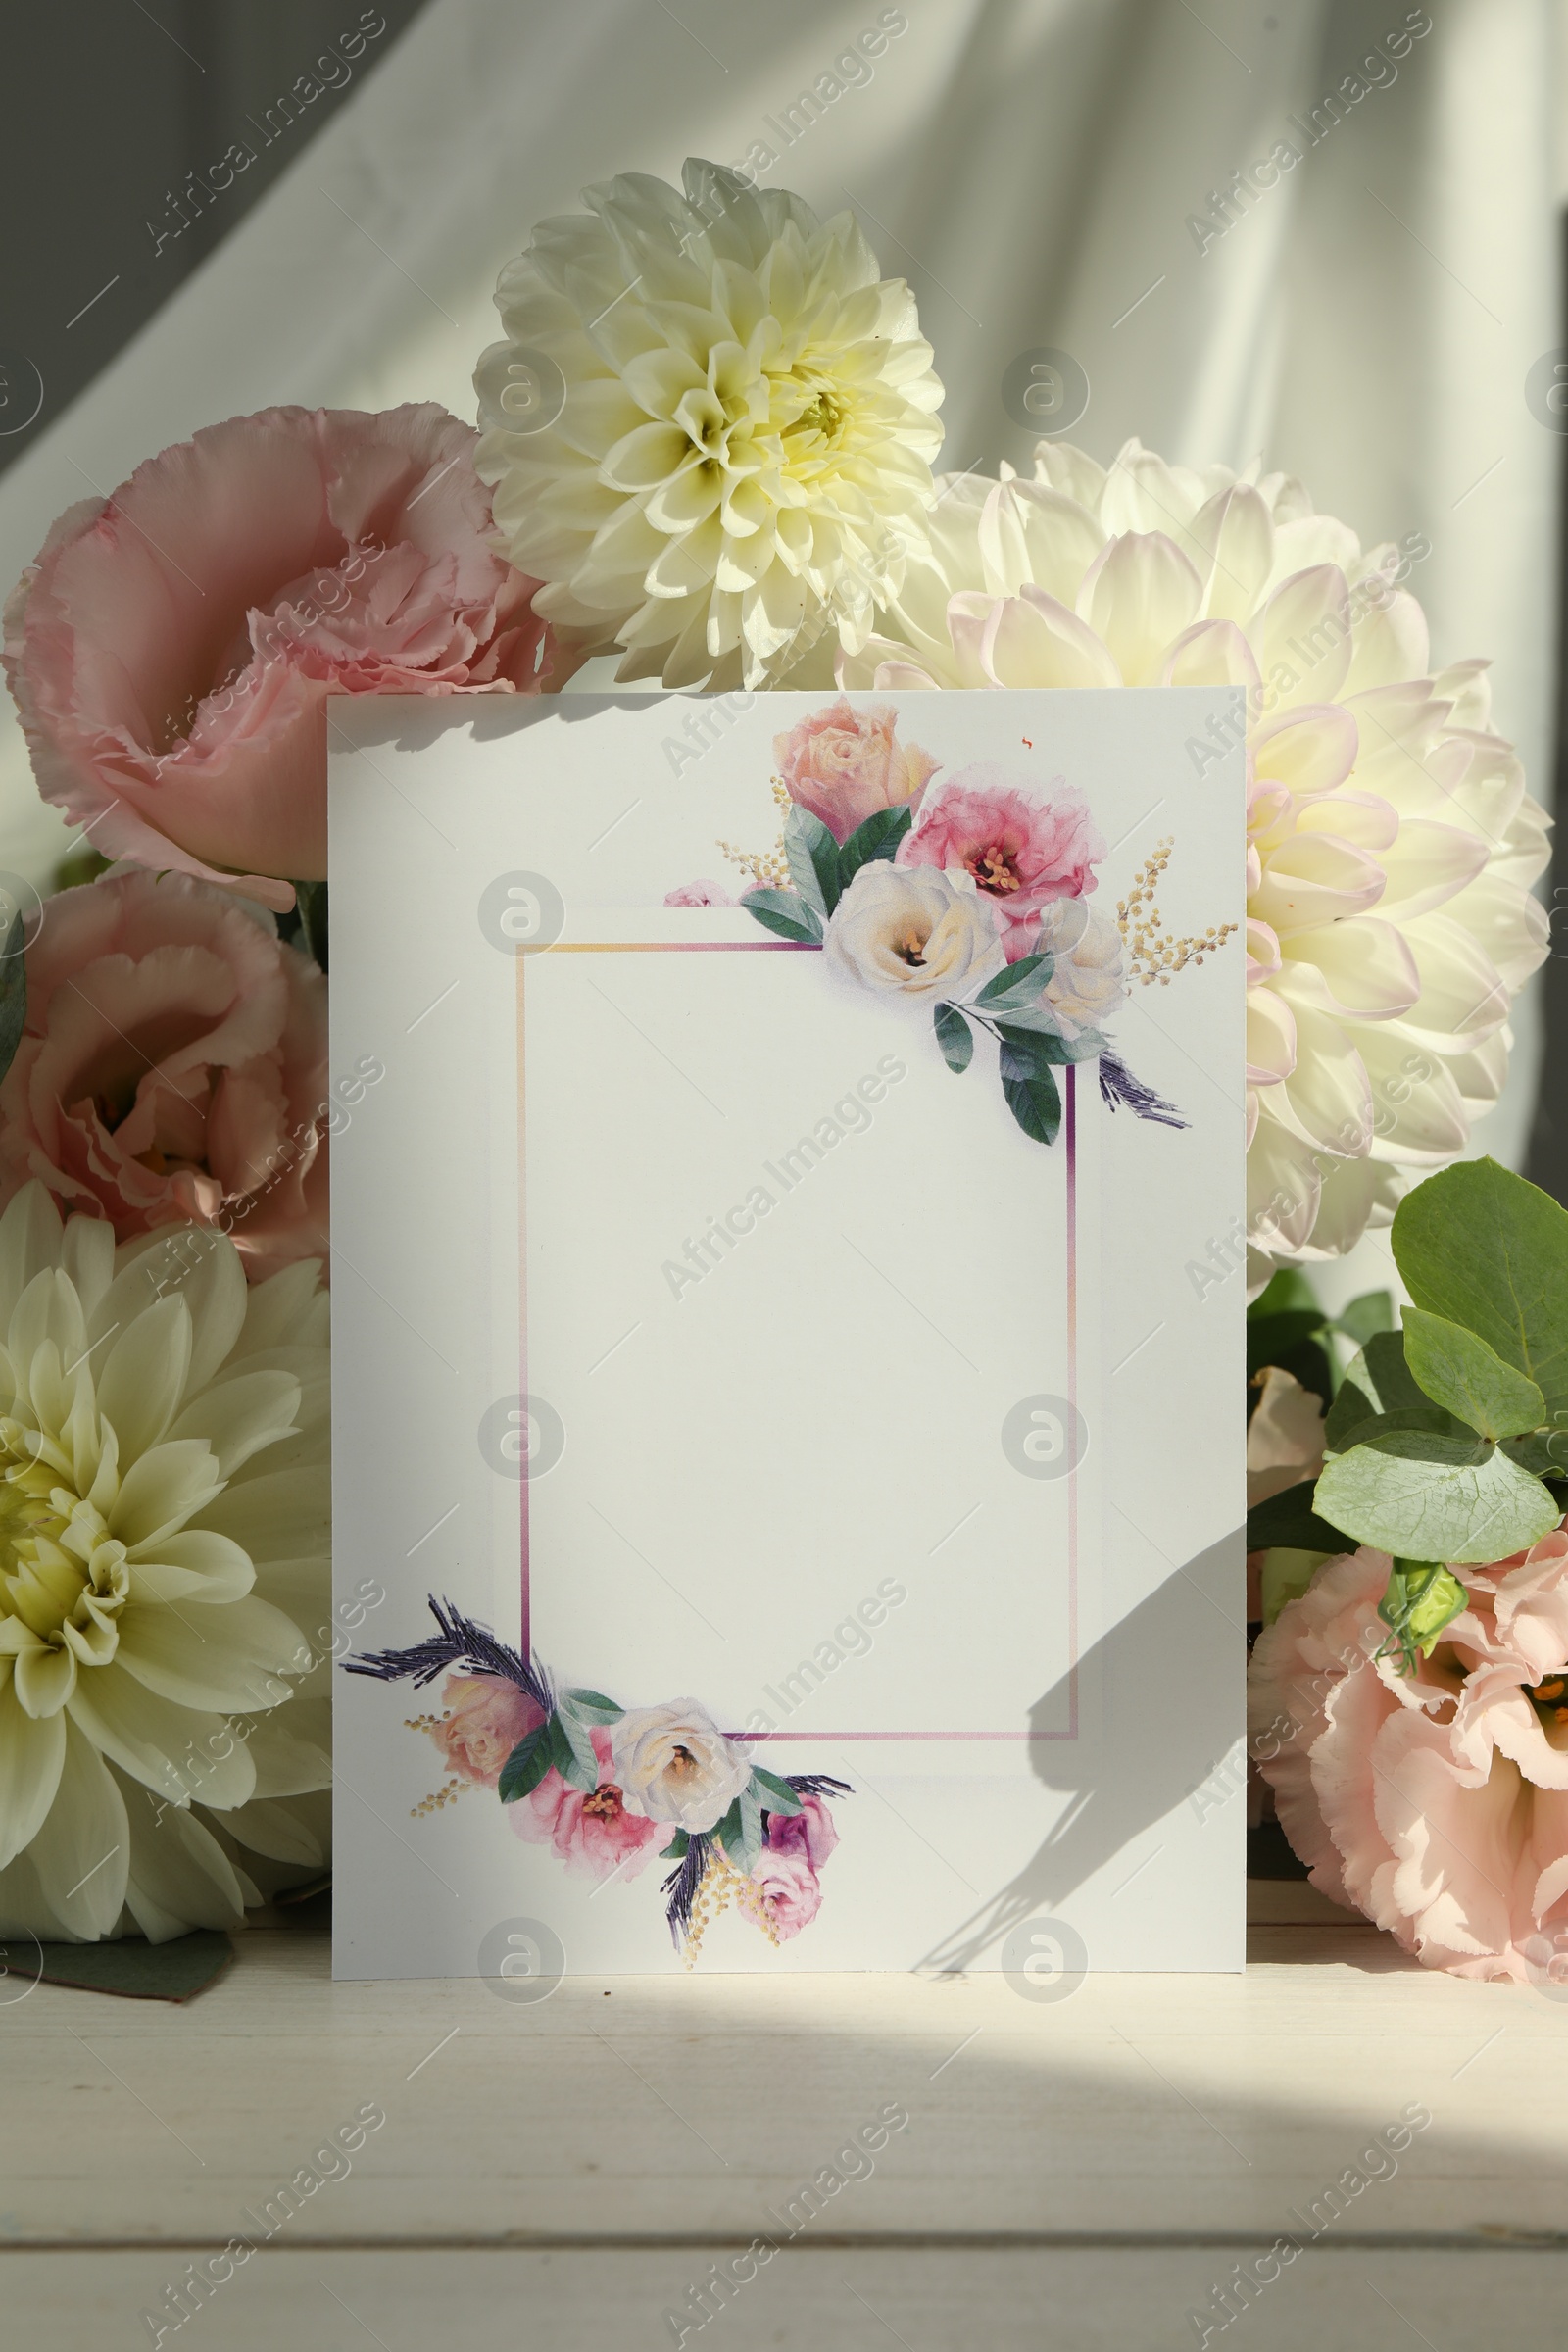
<point>710,426</point>
<point>163,1577</point>
<point>1391,841</point>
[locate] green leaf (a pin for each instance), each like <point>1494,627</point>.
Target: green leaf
<point>877,839</point>
<point>1484,1249</point>
<point>1379,1381</point>
<point>1040,1048</point>
<point>786,912</point>
<point>13,992</point>
<point>1031,1096</point>
<point>592,1705</point>
<point>773,1795</point>
<point>1428,1420</point>
<point>573,1753</point>
<point>955,1036</point>
<point>1287,1574</point>
<point>1366,1316</point>
<point>750,1823</point>
<point>1420,1599</point>
<point>1423,1496</point>
<point>527,1764</point>
<point>813,859</point>
<point>1543,1453</point>
<point>1021,983</point>
<point>1268,1336</point>
<point>1287,1288</point>
<point>677,1848</point>
<point>1457,1369</point>
<point>728,1832</point>
<point>1286,1521</point>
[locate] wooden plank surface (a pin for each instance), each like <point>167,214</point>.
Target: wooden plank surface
<point>574,2159</point>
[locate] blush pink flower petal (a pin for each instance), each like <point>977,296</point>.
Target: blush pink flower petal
<point>1024,850</point>
<point>485,1718</point>
<point>173,1068</point>
<point>173,648</point>
<point>1437,1803</point>
<point>593,1834</point>
<point>790,1894</point>
<point>844,764</point>
<point>810,1832</point>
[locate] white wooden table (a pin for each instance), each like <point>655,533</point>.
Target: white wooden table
<point>1082,2173</point>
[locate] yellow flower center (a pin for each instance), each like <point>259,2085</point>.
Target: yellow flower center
<point>63,1577</point>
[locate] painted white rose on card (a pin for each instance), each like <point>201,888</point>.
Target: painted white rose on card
<point>674,1764</point>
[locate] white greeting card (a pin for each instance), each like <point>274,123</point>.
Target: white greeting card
<point>788,1468</point>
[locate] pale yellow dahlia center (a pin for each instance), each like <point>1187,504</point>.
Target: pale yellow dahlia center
<point>64,1578</point>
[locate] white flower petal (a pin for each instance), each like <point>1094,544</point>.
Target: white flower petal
<point>32,1751</point>
<point>174,1749</point>
<point>1139,595</point>
<point>161,1490</point>
<point>143,1373</point>
<point>82,1852</point>
<point>179,1875</point>
<point>238,1417</point>
<point>235,1656</point>
<point>1367,968</point>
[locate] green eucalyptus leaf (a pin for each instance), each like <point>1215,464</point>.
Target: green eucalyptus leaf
<point>773,1795</point>
<point>813,858</point>
<point>727,1831</point>
<point>1457,1370</point>
<point>1378,1382</point>
<point>786,912</point>
<point>13,992</point>
<point>1031,1096</point>
<point>677,1848</point>
<point>1286,1290</point>
<point>955,1036</point>
<point>1288,1521</point>
<point>1366,1316</point>
<point>527,1764</point>
<point>1481,1247</point>
<point>1270,1337</point>
<point>1424,1495</point>
<point>877,839</point>
<point>750,1813</point>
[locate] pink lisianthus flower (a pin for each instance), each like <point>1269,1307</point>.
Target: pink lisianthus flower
<point>173,1068</point>
<point>791,1892</point>
<point>173,648</point>
<point>1437,1803</point>
<point>700,894</point>
<point>485,1718</point>
<point>1023,851</point>
<point>593,1833</point>
<point>844,764</point>
<point>810,1832</point>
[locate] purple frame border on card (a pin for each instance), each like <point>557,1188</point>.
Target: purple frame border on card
<point>785,947</point>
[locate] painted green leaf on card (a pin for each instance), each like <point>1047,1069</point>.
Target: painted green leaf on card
<point>527,1764</point>
<point>593,1705</point>
<point>773,1795</point>
<point>1457,1370</point>
<point>573,1752</point>
<point>877,840</point>
<point>813,859</point>
<point>1031,1095</point>
<point>1429,1496</point>
<point>955,1036</point>
<point>786,912</point>
<point>1020,984</point>
<point>1481,1247</point>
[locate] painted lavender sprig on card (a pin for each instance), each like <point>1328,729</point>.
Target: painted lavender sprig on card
<point>602,1785</point>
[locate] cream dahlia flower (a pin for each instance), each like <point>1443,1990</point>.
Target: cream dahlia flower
<point>1391,841</point>
<point>746,424</point>
<point>162,1443</point>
